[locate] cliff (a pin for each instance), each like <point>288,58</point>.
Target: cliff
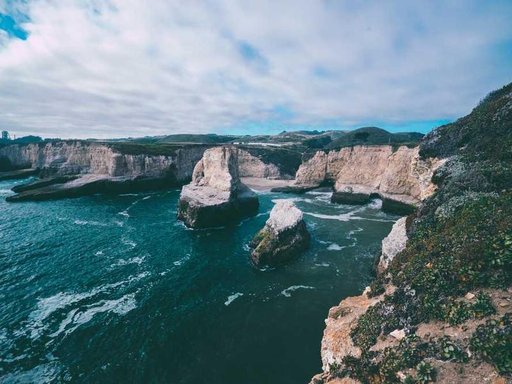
<point>216,196</point>
<point>82,157</point>
<point>400,174</point>
<point>441,308</point>
<point>116,167</point>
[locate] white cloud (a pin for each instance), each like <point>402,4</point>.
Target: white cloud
<point>126,67</point>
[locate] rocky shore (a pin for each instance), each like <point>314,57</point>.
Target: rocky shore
<point>216,196</point>
<point>283,238</point>
<point>440,308</point>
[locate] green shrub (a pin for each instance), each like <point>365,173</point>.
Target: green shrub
<point>493,342</point>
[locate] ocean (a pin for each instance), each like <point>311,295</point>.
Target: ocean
<point>113,289</point>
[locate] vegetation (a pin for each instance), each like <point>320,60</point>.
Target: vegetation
<point>460,241</point>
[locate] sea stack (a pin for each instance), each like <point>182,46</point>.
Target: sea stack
<point>216,197</point>
<point>283,237</point>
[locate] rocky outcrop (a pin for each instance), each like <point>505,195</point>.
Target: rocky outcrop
<point>393,244</point>
<point>216,196</point>
<point>399,175</point>
<point>284,236</point>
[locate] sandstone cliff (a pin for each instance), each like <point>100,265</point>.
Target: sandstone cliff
<point>81,157</point>
<point>399,174</point>
<point>216,196</point>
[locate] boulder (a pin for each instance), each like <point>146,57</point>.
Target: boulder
<point>283,237</point>
<point>216,196</point>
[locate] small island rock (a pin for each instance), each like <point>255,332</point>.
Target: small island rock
<point>283,237</point>
<point>216,197</point>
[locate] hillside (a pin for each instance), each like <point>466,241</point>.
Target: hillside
<point>449,292</point>
<point>374,136</point>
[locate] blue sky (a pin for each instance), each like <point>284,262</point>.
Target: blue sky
<point>115,68</point>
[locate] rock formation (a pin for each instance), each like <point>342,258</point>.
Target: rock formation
<point>284,236</point>
<point>361,171</point>
<point>216,197</point>
<point>393,244</point>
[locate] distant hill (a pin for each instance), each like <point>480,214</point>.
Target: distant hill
<point>374,136</point>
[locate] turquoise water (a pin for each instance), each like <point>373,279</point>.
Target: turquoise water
<point>112,289</point>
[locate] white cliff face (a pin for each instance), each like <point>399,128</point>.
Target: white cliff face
<point>218,169</point>
<point>251,166</point>
<point>393,244</point>
<point>76,157</point>
<point>400,174</point>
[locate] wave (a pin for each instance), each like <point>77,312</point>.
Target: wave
<point>80,316</point>
<point>181,261</point>
<point>132,244</point>
<point>335,247</point>
<point>288,291</point>
<point>375,204</point>
<point>134,260</point>
<point>322,264</point>
<point>232,298</point>
<point>93,223</point>
<point>39,319</point>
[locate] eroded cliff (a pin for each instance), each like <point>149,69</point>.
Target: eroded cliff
<point>397,174</point>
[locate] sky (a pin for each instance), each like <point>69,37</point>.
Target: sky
<point>119,68</point>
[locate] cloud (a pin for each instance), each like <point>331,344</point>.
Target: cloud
<point>124,68</point>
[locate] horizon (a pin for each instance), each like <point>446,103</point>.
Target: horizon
<point>120,69</point>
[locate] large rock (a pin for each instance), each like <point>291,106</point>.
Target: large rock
<point>393,244</point>
<point>284,236</point>
<point>216,196</point>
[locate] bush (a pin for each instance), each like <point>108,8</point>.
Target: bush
<point>492,341</point>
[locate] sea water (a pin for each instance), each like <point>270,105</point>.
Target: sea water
<point>113,289</point>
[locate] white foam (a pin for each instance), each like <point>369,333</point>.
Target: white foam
<point>375,204</point>
<point>335,247</point>
<point>132,244</point>
<point>85,222</point>
<point>182,260</point>
<point>46,307</point>
<point>133,260</point>
<point>288,291</point>
<point>323,264</point>
<point>232,298</point>
<point>80,316</point>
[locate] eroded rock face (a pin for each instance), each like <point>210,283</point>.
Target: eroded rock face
<point>251,166</point>
<point>216,196</point>
<point>101,168</point>
<point>399,174</point>
<point>284,236</point>
<point>337,342</point>
<point>79,157</point>
<point>393,244</point>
